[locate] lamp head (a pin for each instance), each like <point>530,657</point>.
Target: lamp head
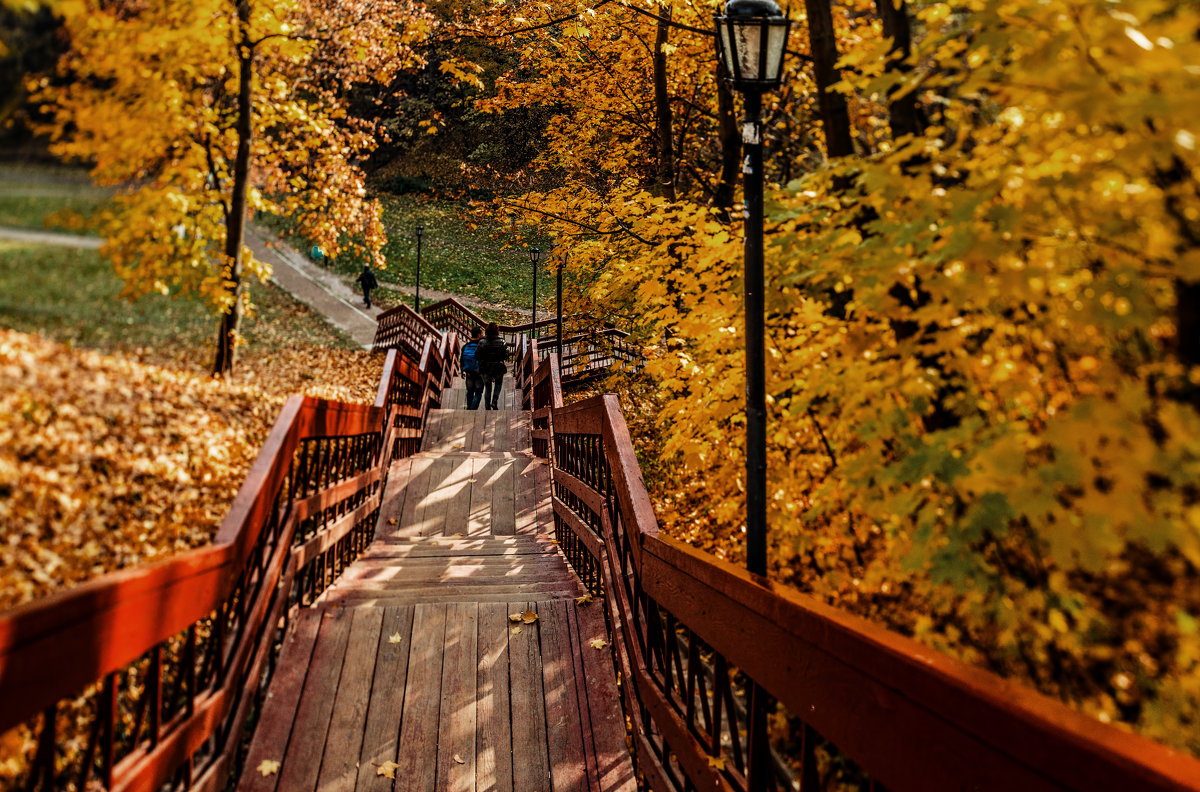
<point>752,40</point>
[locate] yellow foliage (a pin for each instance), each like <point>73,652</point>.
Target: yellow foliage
<point>982,430</point>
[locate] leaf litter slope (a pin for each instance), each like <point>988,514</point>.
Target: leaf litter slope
<point>107,462</point>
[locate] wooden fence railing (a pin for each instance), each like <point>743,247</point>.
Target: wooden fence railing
<point>586,355</point>
<point>582,357</point>
<point>710,649</point>
<point>450,314</point>
<point>149,676</point>
<point>404,329</point>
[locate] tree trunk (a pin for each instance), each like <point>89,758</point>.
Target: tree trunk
<point>235,222</point>
<point>662,104</point>
<point>902,112</point>
<point>835,114</point>
<point>731,143</point>
<point>1187,322</point>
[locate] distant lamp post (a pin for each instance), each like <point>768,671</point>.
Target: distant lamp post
<point>534,255</point>
<point>562,262</point>
<point>417,298</point>
<point>752,39</point>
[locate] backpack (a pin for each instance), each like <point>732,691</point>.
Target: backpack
<point>470,358</point>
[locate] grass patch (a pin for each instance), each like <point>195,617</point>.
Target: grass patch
<point>458,255</point>
<point>73,296</point>
<point>37,211</point>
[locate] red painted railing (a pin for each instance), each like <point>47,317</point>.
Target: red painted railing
<point>404,329</point>
<point>150,676</point>
<point>706,650</point>
<point>450,314</point>
<point>582,357</point>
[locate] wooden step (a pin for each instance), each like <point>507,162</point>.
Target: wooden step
<point>455,397</point>
<point>476,430</point>
<point>436,495</point>
<point>354,596</point>
<point>405,571</point>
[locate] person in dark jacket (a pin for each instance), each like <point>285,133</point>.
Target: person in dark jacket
<point>470,368</point>
<point>492,354</point>
<point>367,280</point>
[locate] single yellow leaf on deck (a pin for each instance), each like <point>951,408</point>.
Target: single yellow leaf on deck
<point>394,638</point>
<point>529,617</point>
<point>458,758</point>
<point>268,767</point>
<point>717,762</point>
<point>387,769</point>
<point>598,643</point>
<point>584,600</point>
<point>515,617</point>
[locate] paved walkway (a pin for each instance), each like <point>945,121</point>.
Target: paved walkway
<point>49,238</point>
<point>320,289</point>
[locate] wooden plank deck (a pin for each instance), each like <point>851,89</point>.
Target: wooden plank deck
<point>410,664</point>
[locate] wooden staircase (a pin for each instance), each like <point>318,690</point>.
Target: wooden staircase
<point>411,666</point>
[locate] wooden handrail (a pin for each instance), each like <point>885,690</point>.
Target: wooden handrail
<point>582,356</point>
<point>311,498</point>
<point>405,329</point>
<point>683,621</point>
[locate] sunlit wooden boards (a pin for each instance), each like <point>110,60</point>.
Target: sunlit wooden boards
<point>443,696</point>
<point>467,494</point>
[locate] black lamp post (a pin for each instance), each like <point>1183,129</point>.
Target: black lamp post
<point>752,39</point>
<point>417,298</point>
<point>534,255</point>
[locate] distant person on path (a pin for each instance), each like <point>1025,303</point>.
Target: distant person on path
<point>492,354</point>
<point>470,368</point>
<point>368,282</point>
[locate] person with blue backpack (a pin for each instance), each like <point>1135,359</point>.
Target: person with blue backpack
<point>492,353</point>
<point>470,369</point>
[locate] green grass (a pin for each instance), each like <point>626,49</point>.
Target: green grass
<point>389,297</point>
<point>459,255</point>
<point>34,211</point>
<point>73,296</point>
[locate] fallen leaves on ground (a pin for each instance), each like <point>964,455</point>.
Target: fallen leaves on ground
<point>529,617</point>
<point>268,767</point>
<point>107,462</point>
<point>584,600</point>
<point>387,770</point>
<point>394,638</point>
<point>597,643</point>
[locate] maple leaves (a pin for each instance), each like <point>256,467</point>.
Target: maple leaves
<point>106,462</point>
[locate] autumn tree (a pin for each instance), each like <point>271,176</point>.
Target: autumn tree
<point>202,112</point>
<point>982,317</point>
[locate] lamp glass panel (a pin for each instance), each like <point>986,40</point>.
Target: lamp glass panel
<point>747,43</point>
<point>776,41</point>
<point>726,46</point>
